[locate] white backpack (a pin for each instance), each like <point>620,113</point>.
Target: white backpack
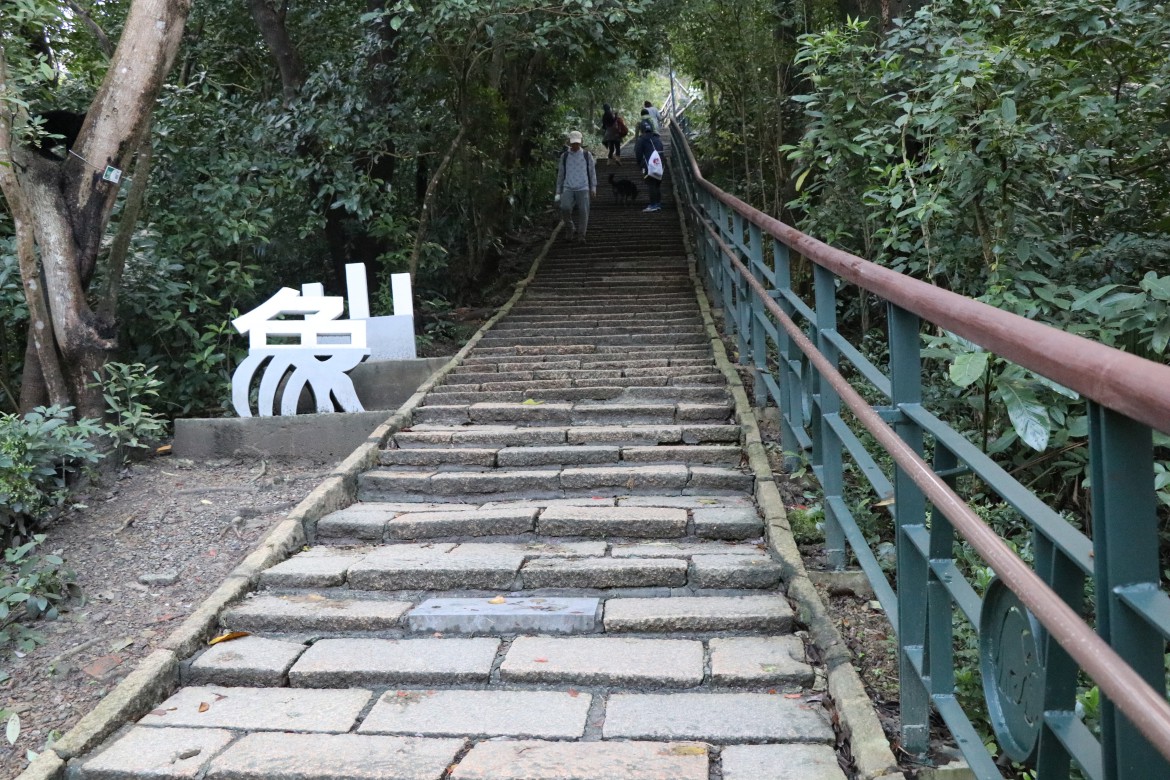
<point>654,165</point>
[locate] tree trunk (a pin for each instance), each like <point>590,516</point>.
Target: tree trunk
<point>288,60</point>
<point>67,205</point>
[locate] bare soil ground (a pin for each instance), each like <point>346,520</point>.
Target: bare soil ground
<point>162,518</point>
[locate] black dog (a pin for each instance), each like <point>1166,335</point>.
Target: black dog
<point>624,190</point>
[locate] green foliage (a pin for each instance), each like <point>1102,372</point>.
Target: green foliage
<point>34,585</point>
<point>127,390</point>
<point>13,324</point>
<point>37,454</point>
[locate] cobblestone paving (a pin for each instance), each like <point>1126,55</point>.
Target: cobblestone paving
<point>555,574</point>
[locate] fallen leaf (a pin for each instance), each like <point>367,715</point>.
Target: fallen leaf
<point>687,750</point>
<point>121,644</point>
<point>498,600</point>
<point>163,450</point>
<point>792,696</point>
<point>229,636</point>
<point>531,402</point>
<point>204,706</point>
<point>204,501</point>
<point>574,692</point>
<point>159,713</point>
<point>540,660</point>
<point>183,755</point>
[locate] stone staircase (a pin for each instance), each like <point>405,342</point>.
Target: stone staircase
<point>556,573</point>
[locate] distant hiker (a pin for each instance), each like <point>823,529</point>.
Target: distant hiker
<point>655,115</point>
<point>647,148</point>
<point>648,117</point>
<point>576,183</point>
<point>613,130</point>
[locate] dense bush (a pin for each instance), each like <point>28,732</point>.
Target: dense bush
<point>38,452</point>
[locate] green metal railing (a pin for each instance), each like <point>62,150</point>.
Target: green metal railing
<point>1086,608</point>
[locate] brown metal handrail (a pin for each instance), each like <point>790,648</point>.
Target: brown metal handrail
<point>1135,387</point>
<point>1144,706</point>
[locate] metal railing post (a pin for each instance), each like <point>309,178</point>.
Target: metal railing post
<point>1125,555</point>
<point>826,442</point>
<point>909,516</point>
<point>756,312</point>
<point>791,408</point>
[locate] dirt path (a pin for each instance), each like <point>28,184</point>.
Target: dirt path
<point>163,519</point>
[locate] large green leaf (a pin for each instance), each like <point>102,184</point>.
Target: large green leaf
<point>969,367</point>
<point>1028,415</point>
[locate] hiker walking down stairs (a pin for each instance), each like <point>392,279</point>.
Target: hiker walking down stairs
<point>576,183</point>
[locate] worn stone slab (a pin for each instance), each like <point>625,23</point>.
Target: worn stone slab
<point>318,567</point>
<point>368,520</point>
<point>699,613</point>
<point>157,754</point>
<point>447,414</point>
<point>727,522</point>
<point>511,457</point>
<point>687,502</point>
<point>416,567</point>
<point>548,714</point>
<point>335,757</point>
<point>533,760</point>
<point>716,717</point>
<point>667,663</point>
<point>735,571</point>
<point>419,456</point>
<point>681,453</point>
<point>765,660</point>
<point>645,478</point>
<point>247,661</point>
<point>710,434</point>
<point>541,503</point>
<point>338,663</point>
<point>456,483</point>
<point>511,615</point>
<point>620,414</point>
<point>704,478</point>
<point>508,436</point>
<point>634,522</point>
<point>551,548</point>
<point>604,573</point>
<point>475,522</point>
<point>521,414</point>
<point>314,612</point>
<point>423,438</point>
<point>781,762</point>
<point>260,709</point>
<point>380,482</point>
<point>703,412</point>
<point>624,434</point>
<point>681,549</point>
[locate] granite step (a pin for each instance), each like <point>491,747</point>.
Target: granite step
<point>500,436</point>
<point>383,484</point>
<point>532,412</point>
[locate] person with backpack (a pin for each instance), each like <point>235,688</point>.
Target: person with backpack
<point>648,152</point>
<point>576,183</point>
<point>613,130</point>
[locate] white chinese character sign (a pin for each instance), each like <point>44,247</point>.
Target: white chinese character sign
<point>299,341</point>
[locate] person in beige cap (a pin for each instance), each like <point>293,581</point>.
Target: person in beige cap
<point>576,183</point>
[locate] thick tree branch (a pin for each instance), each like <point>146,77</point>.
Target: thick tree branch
<point>288,60</point>
<point>428,201</point>
<point>103,39</point>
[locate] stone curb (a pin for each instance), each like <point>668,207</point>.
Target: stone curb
<point>157,675</point>
<point>868,743</point>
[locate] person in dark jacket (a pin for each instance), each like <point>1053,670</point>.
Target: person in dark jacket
<point>647,143</point>
<point>611,135</point>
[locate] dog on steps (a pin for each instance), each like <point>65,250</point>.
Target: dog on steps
<point>624,190</point>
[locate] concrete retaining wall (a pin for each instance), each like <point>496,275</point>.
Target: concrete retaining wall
<point>382,386</point>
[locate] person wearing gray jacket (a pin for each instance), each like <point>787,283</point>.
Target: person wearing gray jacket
<point>576,183</point>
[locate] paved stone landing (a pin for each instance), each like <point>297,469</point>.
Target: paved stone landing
<point>557,572</point>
